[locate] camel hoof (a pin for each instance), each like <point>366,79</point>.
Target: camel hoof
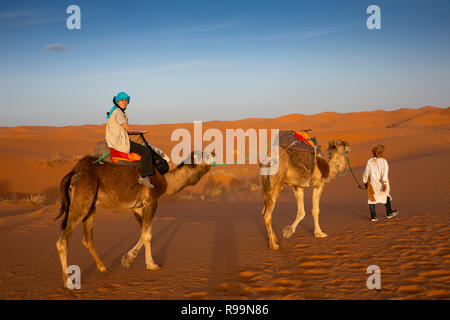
<point>288,232</point>
<point>103,271</point>
<point>153,267</point>
<point>126,261</point>
<point>321,235</point>
<point>65,277</point>
<point>274,246</point>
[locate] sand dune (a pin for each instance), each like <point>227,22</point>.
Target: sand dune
<point>211,239</point>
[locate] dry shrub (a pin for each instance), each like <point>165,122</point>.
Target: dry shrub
<point>216,191</point>
<point>37,198</point>
<point>56,161</point>
<point>185,196</point>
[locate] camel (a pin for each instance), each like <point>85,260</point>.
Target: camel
<point>89,184</point>
<point>300,170</point>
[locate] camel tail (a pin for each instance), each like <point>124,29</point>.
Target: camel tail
<point>65,198</point>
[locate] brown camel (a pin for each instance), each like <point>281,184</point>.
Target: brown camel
<point>90,184</point>
<point>300,170</point>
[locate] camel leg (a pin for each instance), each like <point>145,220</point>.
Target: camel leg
<point>146,234</point>
<point>88,241</point>
<point>269,205</point>
<point>82,202</point>
<point>128,257</point>
<point>317,192</point>
<point>289,230</point>
<point>63,241</point>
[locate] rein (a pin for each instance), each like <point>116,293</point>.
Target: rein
<point>342,174</point>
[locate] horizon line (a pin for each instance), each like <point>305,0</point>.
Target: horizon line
<point>242,119</point>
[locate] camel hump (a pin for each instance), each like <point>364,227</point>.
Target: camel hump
<point>323,166</point>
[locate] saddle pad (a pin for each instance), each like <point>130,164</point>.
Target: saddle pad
<point>102,147</point>
<point>289,140</point>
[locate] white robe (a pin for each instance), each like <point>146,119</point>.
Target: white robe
<point>377,169</point>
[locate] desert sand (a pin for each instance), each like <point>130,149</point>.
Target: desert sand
<point>211,240</point>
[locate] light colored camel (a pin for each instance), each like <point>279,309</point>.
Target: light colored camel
<point>90,184</point>
<point>301,169</point>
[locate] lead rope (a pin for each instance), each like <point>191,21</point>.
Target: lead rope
<point>351,171</point>
<point>346,171</point>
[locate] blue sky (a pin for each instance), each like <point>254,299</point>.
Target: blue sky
<point>182,61</point>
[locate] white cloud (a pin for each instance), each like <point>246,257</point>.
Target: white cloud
<point>15,14</point>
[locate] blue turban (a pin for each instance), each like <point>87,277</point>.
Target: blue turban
<point>117,98</point>
<point>122,95</point>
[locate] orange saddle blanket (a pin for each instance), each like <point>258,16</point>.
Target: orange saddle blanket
<point>117,155</point>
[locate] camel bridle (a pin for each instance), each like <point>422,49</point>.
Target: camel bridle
<point>348,167</point>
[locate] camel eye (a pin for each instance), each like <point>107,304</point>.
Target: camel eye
<point>197,157</point>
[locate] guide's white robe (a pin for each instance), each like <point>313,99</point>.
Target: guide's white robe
<point>377,170</point>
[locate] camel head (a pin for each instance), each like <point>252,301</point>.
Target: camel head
<point>197,158</point>
<point>188,173</point>
<point>339,146</point>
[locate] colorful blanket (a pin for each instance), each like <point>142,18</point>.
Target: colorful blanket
<point>117,155</point>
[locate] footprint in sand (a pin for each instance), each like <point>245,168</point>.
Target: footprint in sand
<point>341,246</point>
<point>354,265</point>
<point>301,245</point>
<point>289,283</point>
<point>316,272</point>
<point>409,297</point>
<point>272,291</point>
<point>196,295</point>
<point>408,253</point>
<point>284,272</point>
<point>322,257</point>
<point>247,276</point>
<point>233,289</point>
<point>415,256</point>
<point>341,252</point>
<point>434,273</point>
<point>400,247</point>
<point>438,294</point>
<point>416,280</point>
<point>310,264</point>
<point>427,264</point>
<point>442,280</point>
<point>440,252</point>
<point>413,288</point>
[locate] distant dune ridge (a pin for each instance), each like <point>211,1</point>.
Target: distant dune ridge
<point>33,159</point>
<point>216,227</point>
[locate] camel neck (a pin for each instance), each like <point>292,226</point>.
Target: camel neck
<point>184,176</point>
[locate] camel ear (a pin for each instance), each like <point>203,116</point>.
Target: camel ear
<point>333,144</point>
<point>336,144</point>
<point>197,157</point>
<point>347,146</point>
<point>344,145</point>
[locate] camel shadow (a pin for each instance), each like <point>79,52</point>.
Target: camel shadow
<point>162,253</point>
<point>224,250</point>
<point>117,262</point>
<point>93,267</point>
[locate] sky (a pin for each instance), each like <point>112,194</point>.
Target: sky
<point>182,61</point>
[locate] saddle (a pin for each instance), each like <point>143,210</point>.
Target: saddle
<point>299,141</point>
<point>104,153</point>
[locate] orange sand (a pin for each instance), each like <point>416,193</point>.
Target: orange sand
<point>211,240</point>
